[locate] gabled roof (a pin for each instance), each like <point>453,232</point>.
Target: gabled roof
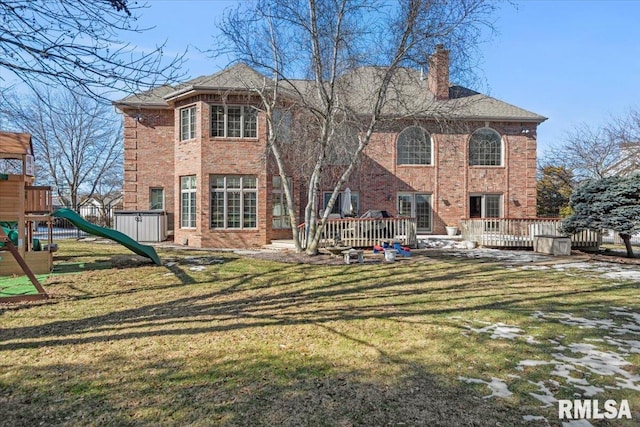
<point>108,199</point>
<point>15,145</point>
<point>235,78</point>
<point>153,98</point>
<point>408,94</point>
<point>238,77</point>
<point>483,107</point>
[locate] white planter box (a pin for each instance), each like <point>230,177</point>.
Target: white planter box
<point>552,245</point>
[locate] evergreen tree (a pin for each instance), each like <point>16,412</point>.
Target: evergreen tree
<point>609,203</point>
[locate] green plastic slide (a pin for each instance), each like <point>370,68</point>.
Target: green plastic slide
<point>107,233</point>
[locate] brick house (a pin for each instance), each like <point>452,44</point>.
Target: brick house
<point>197,150</point>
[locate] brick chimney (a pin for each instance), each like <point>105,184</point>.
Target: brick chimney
<point>438,77</point>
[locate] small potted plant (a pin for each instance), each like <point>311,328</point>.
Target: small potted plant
<point>452,230</point>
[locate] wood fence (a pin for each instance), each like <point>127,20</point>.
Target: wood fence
<point>519,232</point>
<point>366,232</point>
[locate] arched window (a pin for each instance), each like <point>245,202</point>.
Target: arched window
<point>485,148</point>
<point>414,146</point>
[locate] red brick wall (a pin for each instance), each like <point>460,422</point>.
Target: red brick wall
<point>148,158</point>
<point>154,157</point>
<point>450,180</point>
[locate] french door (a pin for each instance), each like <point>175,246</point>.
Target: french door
<point>416,205</point>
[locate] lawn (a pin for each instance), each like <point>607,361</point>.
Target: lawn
<point>221,339</point>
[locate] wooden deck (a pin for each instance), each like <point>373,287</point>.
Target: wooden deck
<point>366,232</point>
<point>519,232</point>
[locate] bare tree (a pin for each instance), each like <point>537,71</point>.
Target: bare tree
<point>592,153</point>
<point>77,141</point>
<point>76,45</point>
<point>588,153</point>
<point>627,128</point>
<point>352,57</point>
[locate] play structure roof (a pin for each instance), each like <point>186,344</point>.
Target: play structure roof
<point>15,145</point>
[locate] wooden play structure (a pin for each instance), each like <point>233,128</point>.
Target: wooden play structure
<point>22,207</point>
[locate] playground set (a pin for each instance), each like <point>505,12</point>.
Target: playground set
<point>23,206</point>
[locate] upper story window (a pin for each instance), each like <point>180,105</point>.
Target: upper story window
<point>282,124</point>
<point>485,148</point>
<point>234,121</point>
<point>187,123</point>
<point>414,146</point>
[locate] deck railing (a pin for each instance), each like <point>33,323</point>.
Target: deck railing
<point>365,232</point>
<point>519,232</point>
<point>39,200</point>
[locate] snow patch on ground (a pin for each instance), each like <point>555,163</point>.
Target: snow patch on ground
<point>498,331</point>
<point>604,270</point>
<point>577,423</point>
<point>580,322</point>
<point>588,358</point>
<point>535,418</point>
<point>501,255</point>
<point>497,386</point>
<point>528,363</point>
<point>545,396</point>
<point>623,275</point>
<point>525,260</point>
<point>572,363</point>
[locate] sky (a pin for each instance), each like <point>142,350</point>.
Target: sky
<point>574,62</point>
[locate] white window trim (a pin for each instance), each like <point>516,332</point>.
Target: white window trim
<point>502,149</point>
<point>430,141</point>
<point>225,191</point>
<point>193,123</point>
<point>483,205</point>
<point>188,191</point>
<point>226,121</point>
<point>281,193</point>
<point>413,207</point>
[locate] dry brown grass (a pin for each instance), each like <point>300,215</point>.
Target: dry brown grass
<point>218,339</point>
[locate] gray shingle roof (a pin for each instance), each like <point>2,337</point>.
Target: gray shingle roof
<point>237,77</point>
<point>408,94</point>
<point>151,98</point>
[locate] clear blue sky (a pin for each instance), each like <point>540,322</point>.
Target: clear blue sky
<point>571,61</point>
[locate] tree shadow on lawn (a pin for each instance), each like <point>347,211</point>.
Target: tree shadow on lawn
<point>281,389</point>
<point>339,298</point>
<point>276,388</point>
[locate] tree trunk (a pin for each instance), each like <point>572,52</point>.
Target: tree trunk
<point>626,238</point>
